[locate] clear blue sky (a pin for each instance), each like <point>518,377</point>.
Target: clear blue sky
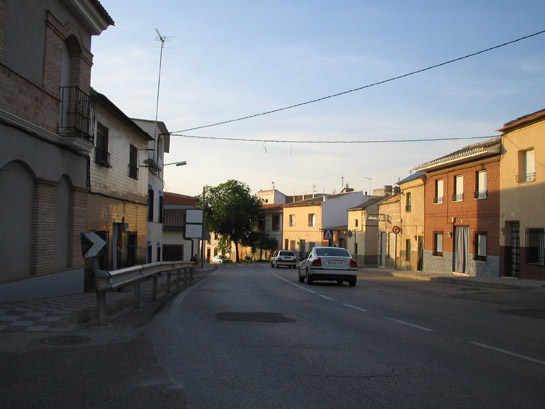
<point>230,59</point>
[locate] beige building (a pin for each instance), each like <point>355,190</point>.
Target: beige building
<point>389,227</point>
<point>363,230</point>
<point>320,221</point>
<point>411,237</point>
<point>522,179</point>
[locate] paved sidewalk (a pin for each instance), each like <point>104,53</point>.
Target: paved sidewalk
<point>490,282</point>
<point>57,313</point>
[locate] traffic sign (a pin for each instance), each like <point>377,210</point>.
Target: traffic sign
<point>91,244</point>
<point>328,234</point>
<point>396,229</point>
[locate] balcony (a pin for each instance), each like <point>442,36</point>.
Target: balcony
<point>438,199</point>
<point>458,198</point>
<point>77,114</point>
<point>102,157</point>
<point>133,171</point>
<point>526,177</point>
<point>481,194</point>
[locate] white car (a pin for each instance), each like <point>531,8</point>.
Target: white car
<point>328,263</point>
<point>284,258</point>
<point>220,259</point>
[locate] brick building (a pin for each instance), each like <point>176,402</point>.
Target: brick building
<point>461,211</point>
<point>46,133</point>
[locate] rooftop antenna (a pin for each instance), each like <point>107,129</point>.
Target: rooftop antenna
<point>273,185</point>
<point>163,39</point>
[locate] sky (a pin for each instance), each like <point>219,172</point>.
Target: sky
<point>224,60</point>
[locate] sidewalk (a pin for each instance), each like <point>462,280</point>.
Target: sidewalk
<point>490,282</point>
<point>56,313</point>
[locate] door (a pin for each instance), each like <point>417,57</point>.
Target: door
<point>514,267</point>
<point>461,249</point>
<point>382,249</point>
<point>420,266</point>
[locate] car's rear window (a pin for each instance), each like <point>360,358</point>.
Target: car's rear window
<point>286,253</point>
<point>332,251</point>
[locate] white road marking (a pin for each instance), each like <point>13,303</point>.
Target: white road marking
<point>327,298</point>
<point>355,308</point>
<point>504,351</point>
<point>296,285</point>
<point>409,324</point>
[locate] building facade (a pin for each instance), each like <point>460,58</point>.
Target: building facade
<point>362,232</point>
<point>389,227</point>
<point>46,131</point>
<point>117,199</point>
<point>461,211</point>
<point>175,245</point>
<point>411,237</point>
<point>522,223</point>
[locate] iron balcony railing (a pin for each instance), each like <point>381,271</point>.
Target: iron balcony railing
<point>481,194</point>
<point>102,157</point>
<point>526,177</point>
<point>77,116</point>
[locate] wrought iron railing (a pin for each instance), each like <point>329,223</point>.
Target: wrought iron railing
<point>102,157</point>
<point>77,116</point>
<point>526,177</point>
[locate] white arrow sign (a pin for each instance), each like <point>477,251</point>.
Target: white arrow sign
<point>91,244</point>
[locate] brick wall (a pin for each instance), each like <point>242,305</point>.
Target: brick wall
<point>43,227</point>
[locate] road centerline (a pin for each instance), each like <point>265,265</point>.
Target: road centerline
<point>409,324</point>
<point>504,351</point>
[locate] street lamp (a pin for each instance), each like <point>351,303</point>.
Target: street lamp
<point>181,163</point>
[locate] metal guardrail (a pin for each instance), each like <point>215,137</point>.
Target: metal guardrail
<point>112,280</point>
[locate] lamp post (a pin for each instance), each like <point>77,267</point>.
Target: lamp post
<point>181,163</point>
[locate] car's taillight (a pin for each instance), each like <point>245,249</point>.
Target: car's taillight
<point>353,263</point>
<point>317,262</point>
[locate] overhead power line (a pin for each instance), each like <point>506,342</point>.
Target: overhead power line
<point>362,87</point>
<point>332,142</point>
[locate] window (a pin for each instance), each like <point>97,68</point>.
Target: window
<point>150,204</point>
<point>158,252</point>
<point>527,170</point>
<point>408,250</point>
<point>408,201</point>
<point>438,191</point>
<point>292,245</point>
<point>438,244</point>
<point>481,191</point>
<point>160,208</point>
<point>356,222</point>
<point>292,220</point>
<point>276,222</point>
<point>286,243</point>
<point>535,243</point>
<point>311,220</point>
<point>102,156</point>
<point>480,246</point>
<point>133,162</point>
<point>458,189</point>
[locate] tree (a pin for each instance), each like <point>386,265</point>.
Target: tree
<point>231,211</point>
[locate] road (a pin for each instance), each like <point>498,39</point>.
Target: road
<point>253,337</point>
<point>250,336</point>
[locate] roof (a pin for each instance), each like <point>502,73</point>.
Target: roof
<point>523,121</point>
<point>472,152</point>
<point>111,107</point>
<point>366,204</point>
<point>412,177</point>
<point>149,126</point>
<point>271,207</point>
<point>392,199</point>
<point>315,201</point>
<point>175,199</point>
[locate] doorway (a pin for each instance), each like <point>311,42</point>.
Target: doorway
<point>461,249</point>
<point>513,269</point>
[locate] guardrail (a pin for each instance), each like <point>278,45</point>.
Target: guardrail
<point>112,280</point>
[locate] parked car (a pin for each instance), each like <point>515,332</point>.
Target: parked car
<point>284,258</point>
<point>328,263</point>
<point>220,259</point>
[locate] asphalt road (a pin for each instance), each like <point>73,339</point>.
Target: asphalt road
<point>250,336</point>
<point>253,337</point>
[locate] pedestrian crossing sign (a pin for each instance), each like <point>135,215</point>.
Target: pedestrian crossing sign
<point>328,234</point>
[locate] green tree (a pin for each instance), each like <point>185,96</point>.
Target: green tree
<point>231,211</point>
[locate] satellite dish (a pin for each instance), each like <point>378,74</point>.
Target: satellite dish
<point>349,233</point>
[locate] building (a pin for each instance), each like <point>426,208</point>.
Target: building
<point>522,175</point>
<point>175,245</point>
<point>389,227</point>
<point>411,236</point>
<point>363,230</point>
<point>461,211</point>
<point>117,199</point>
<point>46,132</point>
<point>319,221</point>
<point>155,163</point>
<point>272,221</point>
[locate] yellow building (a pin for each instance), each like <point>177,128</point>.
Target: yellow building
<point>363,230</point>
<point>389,227</point>
<point>522,180</point>
<point>411,237</point>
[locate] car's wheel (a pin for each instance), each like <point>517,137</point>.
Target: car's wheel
<point>310,280</point>
<point>352,283</point>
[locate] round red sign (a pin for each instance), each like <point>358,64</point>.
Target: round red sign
<point>396,229</point>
